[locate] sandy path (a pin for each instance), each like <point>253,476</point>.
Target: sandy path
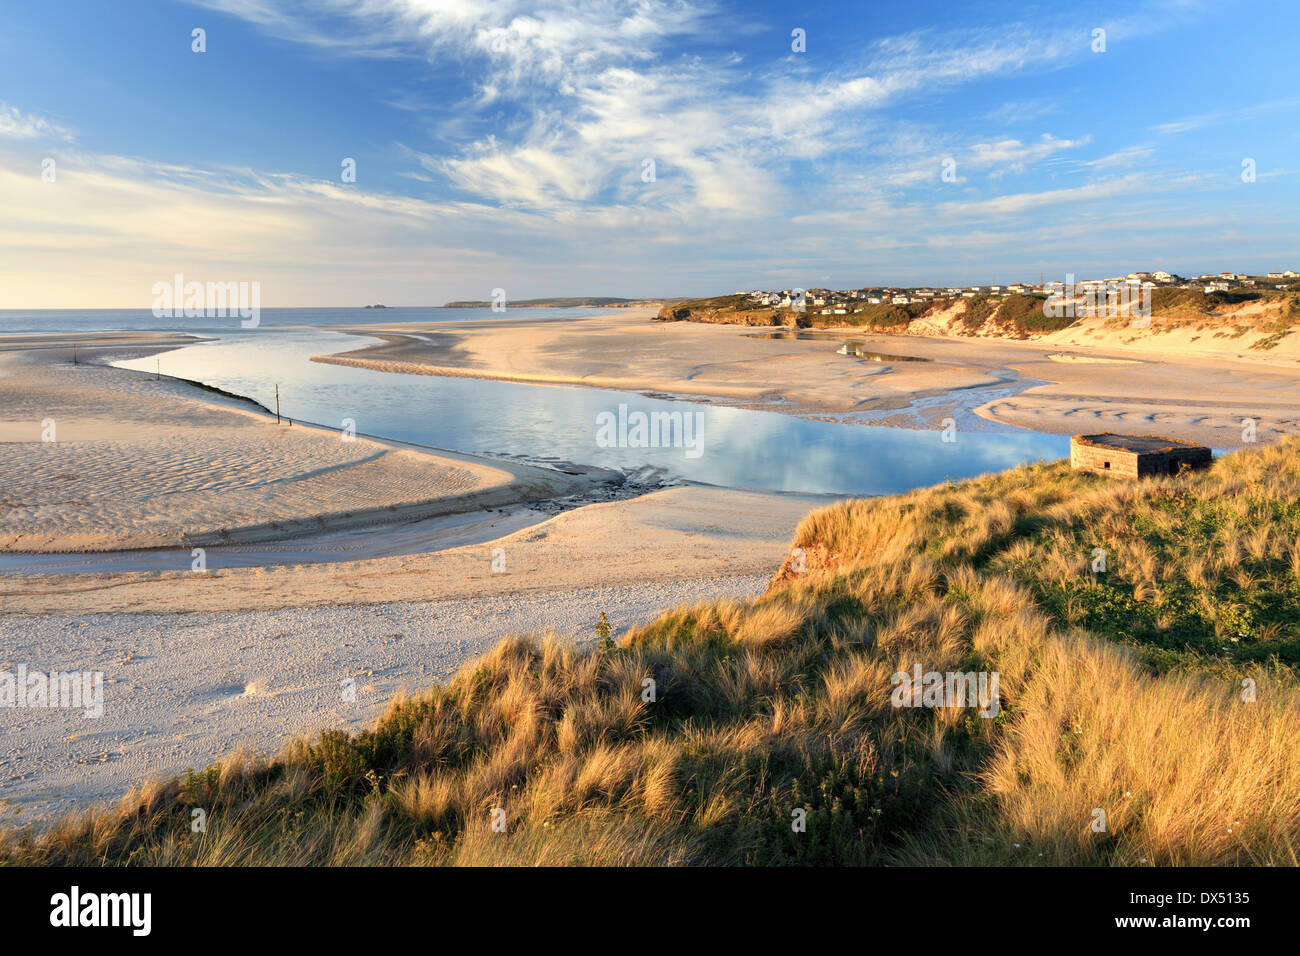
<point>138,463</point>
<point>182,691</point>
<point>1193,384</point>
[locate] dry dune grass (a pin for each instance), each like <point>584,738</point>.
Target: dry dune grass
<point>700,737</point>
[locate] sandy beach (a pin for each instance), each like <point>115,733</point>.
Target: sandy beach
<point>197,663</point>
<point>1197,387</point>
<point>110,460</point>
<point>183,690</point>
<point>390,565</point>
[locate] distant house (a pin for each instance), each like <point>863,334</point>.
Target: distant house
<point>1135,456</point>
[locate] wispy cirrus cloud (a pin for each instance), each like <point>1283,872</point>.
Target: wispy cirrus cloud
<point>1129,156</point>
<point>601,88</point>
<point>1011,155</point>
<point>765,161</point>
<point>19,125</point>
<point>1216,117</point>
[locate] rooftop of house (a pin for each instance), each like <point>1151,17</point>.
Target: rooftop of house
<point>1142,444</point>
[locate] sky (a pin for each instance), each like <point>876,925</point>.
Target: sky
<point>636,147</point>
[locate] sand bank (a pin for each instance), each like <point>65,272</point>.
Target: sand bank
<point>171,464</point>
<point>196,663</point>
<point>97,458</point>
<point>688,533</point>
<point>1178,382</point>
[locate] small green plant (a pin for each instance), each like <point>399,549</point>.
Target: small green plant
<point>603,631</point>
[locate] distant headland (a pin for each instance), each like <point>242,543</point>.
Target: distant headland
<point>571,302</point>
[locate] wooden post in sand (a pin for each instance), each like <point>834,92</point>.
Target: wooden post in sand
<point>277,404</point>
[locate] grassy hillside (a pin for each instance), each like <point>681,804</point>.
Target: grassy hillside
<point>739,310</point>
<point>1121,691</point>
<point>1014,316</point>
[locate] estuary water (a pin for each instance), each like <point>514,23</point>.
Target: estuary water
<point>731,447</point>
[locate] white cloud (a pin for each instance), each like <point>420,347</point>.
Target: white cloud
<point>1011,155</point>
<point>593,88</point>
<point>1129,156</point>
<point>606,87</point>
<point>19,125</point>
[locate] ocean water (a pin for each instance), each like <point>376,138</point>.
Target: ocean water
<point>26,321</point>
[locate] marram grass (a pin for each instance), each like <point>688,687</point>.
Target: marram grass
<point>1160,691</point>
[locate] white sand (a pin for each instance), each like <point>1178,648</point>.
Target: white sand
<point>182,691</point>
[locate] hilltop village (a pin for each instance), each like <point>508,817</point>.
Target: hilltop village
<point>845,301</point>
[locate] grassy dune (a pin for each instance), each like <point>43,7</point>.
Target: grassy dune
<point>1017,316</point>
<point>1122,692</point>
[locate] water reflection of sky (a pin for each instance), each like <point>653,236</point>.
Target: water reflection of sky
<point>742,448</point>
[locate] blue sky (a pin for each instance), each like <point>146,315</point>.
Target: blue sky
<point>503,144</point>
